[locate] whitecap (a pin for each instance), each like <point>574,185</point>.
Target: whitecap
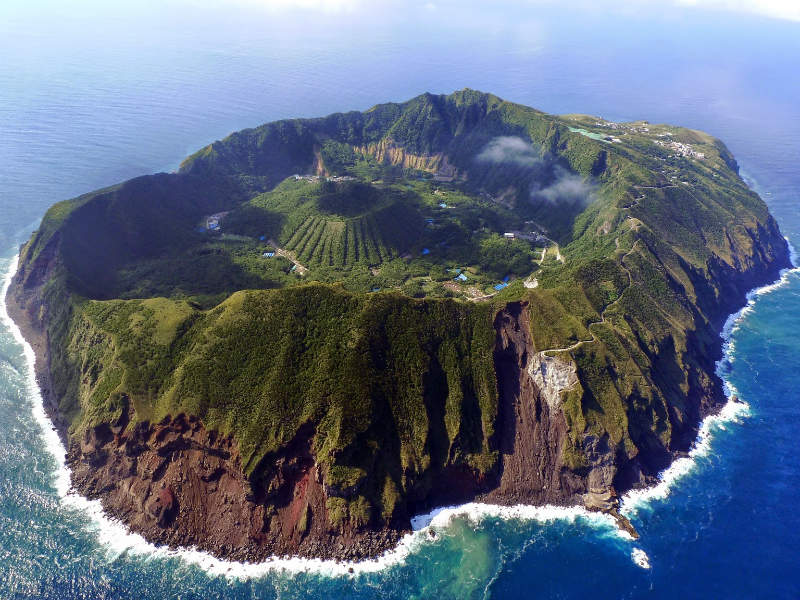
<point>640,558</point>
<point>478,511</point>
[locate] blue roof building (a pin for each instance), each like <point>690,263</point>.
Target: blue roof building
<point>461,277</point>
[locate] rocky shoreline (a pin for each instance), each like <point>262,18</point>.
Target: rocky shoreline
<point>180,485</point>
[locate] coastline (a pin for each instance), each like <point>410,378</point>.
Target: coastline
<point>118,538</point>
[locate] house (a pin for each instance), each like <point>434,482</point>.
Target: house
<point>213,221</point>
<point>500,286</point>
<point>509,235</point>
<point>461,277</point>
<point>442,204</point>
<point>425,251</point>
<point>268,254</point>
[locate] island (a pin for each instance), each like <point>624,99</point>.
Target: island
<point>318,328</point>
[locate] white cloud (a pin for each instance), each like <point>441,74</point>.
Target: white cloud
<point>777,9</point>
<point>509,149</point>
<point>568,188</point>
<point>326,6</point>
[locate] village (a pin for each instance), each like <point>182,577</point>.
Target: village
<point>318,178</point>
<point>684,150</point>
<point>424,270</point>
<point>681,149</point>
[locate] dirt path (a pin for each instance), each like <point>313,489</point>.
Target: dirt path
<point>602,320</point>
<point>289,256</point>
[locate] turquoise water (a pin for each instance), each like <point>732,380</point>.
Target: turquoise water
<point>88,98</point>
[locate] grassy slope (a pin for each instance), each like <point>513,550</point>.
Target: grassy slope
<point>395,387</point>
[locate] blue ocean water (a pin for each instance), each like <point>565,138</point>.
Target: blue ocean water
<point>94,94</point>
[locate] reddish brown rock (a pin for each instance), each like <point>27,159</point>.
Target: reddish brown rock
<point>177,483</point>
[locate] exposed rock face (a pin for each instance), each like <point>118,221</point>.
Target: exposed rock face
<point>531,426</point>
<point>28,309</point>
<point>179,484</point>
<point>551,376</point>
<point>388,152</point>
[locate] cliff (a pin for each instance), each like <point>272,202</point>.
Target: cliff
<point>212,396</point>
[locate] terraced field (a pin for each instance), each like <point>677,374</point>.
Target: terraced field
<point>371,238</point>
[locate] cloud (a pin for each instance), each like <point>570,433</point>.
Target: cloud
<point>324,6</point>
<point>776,9</point>
<point>568,188</point>
<point>509,150</point>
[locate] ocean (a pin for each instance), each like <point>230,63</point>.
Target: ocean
<point>94,94</point>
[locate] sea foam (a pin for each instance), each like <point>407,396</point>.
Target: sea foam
<point>640,558</point>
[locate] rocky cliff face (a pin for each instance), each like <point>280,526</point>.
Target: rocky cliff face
<point>386,151</point>
<point>179,484</point>
<point>531,425</point>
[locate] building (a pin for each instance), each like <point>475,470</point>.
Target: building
<point>509,235</point>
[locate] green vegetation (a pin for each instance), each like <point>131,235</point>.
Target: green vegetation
<point>339,299</point>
